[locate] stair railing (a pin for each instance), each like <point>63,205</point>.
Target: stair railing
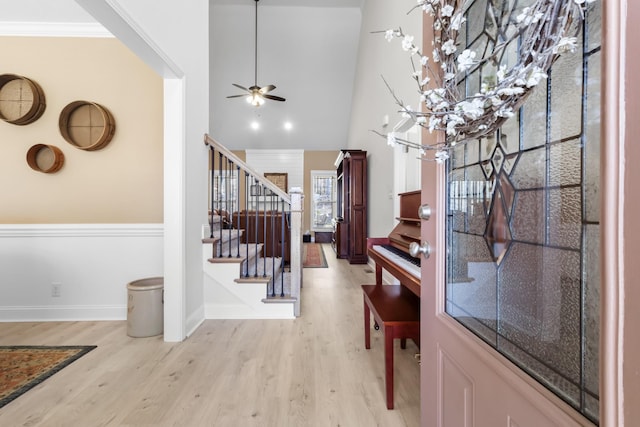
<point>245,200</point>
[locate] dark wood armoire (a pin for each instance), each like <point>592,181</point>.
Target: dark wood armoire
<point>350,233</point>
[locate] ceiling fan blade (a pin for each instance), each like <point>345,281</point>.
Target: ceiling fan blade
<point>273,97</point>
<point>267,88</point>
<point>237,96</point>
<point>240,87</point>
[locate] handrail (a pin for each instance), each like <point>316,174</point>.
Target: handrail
<point>264,181</point>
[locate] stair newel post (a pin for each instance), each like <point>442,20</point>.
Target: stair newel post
<point>238,209</point>
<point>212,161</point>
<point>256,203</point>
<point>257,239</point>
<point>272,224</point>
<point>295,242</point>
<point>228,200</point>
<point>272,243</point>
<point>247,183</point>
<point>282,247</point>
<point>220,183</point>
<point>264,233</point>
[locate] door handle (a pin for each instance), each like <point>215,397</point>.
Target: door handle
<point>415,249</point>
<point>424,212</point>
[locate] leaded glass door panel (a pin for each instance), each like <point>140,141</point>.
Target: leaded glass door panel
<point>522,229</point>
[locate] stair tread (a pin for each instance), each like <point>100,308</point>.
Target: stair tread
<point>226,260</point>
<point>252,279</point>
<point>279,299</point>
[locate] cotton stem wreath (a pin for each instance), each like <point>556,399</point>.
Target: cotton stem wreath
<point>544,31</point>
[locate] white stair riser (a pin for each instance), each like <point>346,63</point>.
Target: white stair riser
<point>224,298</point>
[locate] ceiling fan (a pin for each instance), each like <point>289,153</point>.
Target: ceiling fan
<point>256,95</point>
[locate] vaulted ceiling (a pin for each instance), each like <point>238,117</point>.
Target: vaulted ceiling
<point>306,48</point>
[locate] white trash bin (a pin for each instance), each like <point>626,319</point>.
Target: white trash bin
<point>145,307</point>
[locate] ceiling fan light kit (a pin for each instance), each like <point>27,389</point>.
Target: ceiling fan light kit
<point>256,95</point>
<point>255,100</point>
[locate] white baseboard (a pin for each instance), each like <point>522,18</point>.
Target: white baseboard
<point>194,321</point>
<point>62,313</point>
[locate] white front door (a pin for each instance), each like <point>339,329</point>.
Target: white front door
<point>510,295</point>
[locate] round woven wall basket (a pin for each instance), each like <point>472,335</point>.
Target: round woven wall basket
<point>45,158</point>
<point>87,125</point>
<point>21,100</point>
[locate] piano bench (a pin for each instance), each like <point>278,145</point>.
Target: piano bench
<point>397,311</point>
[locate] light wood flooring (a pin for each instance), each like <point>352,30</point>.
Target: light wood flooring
<point>312,371</point>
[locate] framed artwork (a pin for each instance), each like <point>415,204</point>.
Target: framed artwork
<point>279,179</point>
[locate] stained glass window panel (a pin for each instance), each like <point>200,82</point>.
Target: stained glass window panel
<point>530,172</point>
<point>533,115</point>
<point>539,299</point>
<point>564,163</point>
<point>592,143</point>
<point>523,221</point>
<point>565,223</point>
<point>528,218</point>
<point>566,96</point>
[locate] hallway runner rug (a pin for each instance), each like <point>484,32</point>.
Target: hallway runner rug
<point>313,256</point>
<point>24,367</point>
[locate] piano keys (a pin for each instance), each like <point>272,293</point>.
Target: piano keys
<point>404,260</point>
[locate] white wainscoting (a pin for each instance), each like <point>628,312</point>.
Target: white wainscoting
<point>92,263</point>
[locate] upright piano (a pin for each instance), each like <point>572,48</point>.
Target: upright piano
<point>392,252</point>
<point>395,308</point>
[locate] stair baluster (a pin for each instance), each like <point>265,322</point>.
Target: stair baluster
<point>238,207</point>
<point>282,248</point>
<point>219,198</point>
<point>212,153</point>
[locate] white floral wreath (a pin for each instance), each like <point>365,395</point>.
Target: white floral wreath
<point>544,32</point>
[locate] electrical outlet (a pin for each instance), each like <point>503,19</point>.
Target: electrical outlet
<point>56,289</point>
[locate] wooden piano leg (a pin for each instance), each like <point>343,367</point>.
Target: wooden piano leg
<point>388,364</point>
<point>378,274</point>
<point>367,325</point>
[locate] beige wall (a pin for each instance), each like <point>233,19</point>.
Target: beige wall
<point>121,183</point>
<point>314,160</point>
<point>372,101</point>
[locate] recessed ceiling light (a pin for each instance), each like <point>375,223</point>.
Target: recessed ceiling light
<point>255,125</point>
<point>288,125</point>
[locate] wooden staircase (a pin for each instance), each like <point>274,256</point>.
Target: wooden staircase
<point>239,282</point>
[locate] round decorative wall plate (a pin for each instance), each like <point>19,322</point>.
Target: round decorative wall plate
<point>45,158</point>
<point>87,125</point>
<point>22,100</point>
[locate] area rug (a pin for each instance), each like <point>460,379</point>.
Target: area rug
<point>24,367</point>
<point>313,256</point>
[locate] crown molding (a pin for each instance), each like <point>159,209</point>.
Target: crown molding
<point>53,29</point>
